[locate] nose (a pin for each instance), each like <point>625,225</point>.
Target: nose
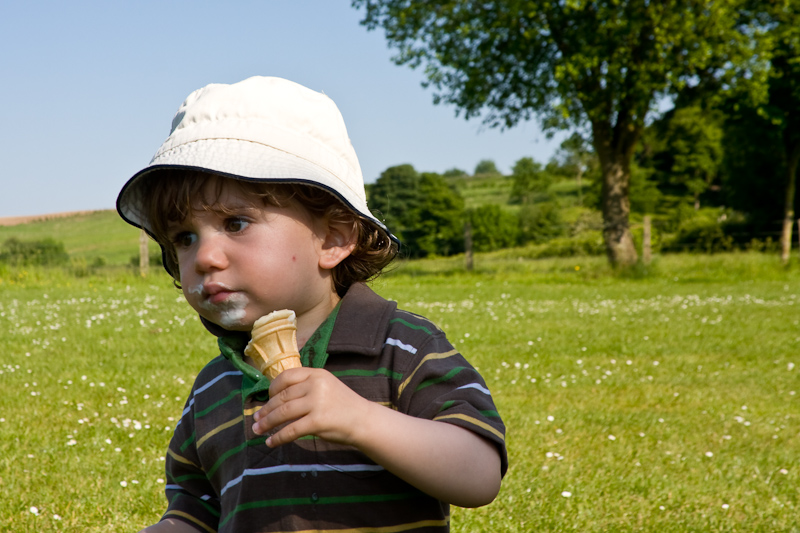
<point>210,254</point>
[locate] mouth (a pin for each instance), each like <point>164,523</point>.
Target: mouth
<point>223,304</point>
<point>219,297</point>
<point>213,293</point>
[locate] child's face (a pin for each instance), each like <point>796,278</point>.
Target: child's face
<point>251,260</point>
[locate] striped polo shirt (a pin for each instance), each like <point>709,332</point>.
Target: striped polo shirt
<point>222,477</point>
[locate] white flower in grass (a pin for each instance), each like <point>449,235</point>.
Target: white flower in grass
<point>566,494</point>
<point>709,454</point>
<point>612,437</point>
<point>725,506</point>
<point>34,511</point>
<point>123,484</point>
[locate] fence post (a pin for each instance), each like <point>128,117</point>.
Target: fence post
<point>646,246</point>
<point>144,254</point>
<point>468,245</point>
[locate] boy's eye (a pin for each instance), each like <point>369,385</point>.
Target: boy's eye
<point>184,239</point>
<point>235,225</point>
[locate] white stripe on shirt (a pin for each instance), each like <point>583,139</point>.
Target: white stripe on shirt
<point>476,386</point>
<point>299,468</point>
<point>407,347</point>
<point>204,388</point>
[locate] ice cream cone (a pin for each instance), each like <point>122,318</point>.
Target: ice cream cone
<point>273,343</point>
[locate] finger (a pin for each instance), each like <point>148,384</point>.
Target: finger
<point>287,378</point>
<point>274,414</point>
<point>289,433</point>
<point>282,394</point>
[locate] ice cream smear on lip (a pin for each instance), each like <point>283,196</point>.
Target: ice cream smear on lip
<point>230,312</point>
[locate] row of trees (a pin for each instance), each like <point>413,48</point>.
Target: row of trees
<point>428,213</point>
<point>603,67</point>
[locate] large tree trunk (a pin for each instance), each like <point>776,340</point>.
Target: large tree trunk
<point>792,160</point>
<point>615,163</point>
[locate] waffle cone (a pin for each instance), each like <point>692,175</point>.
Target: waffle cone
<point>273,343</point>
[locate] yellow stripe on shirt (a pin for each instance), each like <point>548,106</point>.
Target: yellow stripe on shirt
<point>429,357</point>
<point>192,519</point>
<point>219,428</point>
<point>181,459</point>
<point>474,421</point>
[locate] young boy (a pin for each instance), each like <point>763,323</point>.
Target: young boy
<point>258,203</point>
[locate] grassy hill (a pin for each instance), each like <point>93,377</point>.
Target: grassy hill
<point>99,234</point>
<point>482,189</point>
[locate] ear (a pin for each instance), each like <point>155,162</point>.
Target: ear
<point>338,243</point>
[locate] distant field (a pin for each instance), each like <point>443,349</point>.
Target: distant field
<point>85,236</point>
<point>666,401</point>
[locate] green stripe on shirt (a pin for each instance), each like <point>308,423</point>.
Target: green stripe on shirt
<point>233,451</point>
<point>447,377</point>
<point>409,325</point>
<point>397,376</point>
<point>326,500</point>
<point>233,394</point>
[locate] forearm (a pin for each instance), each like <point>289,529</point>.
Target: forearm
<point>169,526</point>
<point>445,461</point>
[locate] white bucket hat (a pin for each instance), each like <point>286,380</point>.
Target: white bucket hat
<point>260,129</point>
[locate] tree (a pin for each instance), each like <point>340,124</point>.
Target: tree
<point>573,159</point>
<point>44,252</point>
<point>492,228</point>
<point>783,107</point>
<point>454,172</point>
<point>395,197</point>
<point>763,140</point>
<point>486,166</point>
<point>695,144</point>
<point>529,179</point>
<point>599,64</point>
<point>423,210</point>
<point>440,223</point>
<point>685,150</point>
<point>540,222</point>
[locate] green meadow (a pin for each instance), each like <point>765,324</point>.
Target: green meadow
<point>664,399</point>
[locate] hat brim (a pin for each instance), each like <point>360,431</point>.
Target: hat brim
<point>243,160</point>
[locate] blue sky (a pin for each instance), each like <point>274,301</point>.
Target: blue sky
<point>88,91</point>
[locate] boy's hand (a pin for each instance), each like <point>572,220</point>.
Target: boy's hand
<point>445,461</point>
<point>314,402</point>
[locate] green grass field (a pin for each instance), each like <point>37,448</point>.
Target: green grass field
<point>661,401</point>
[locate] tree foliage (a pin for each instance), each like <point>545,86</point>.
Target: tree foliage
<point>529,180</point>
<point>45,252</point>
<point>422,210</point>
<point>486,166</point>
<point>600,64</point>
<point>394,197</point>
<point>493,228</point>
<point>684,150</point>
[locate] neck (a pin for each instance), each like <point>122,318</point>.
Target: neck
<point>308,322</point>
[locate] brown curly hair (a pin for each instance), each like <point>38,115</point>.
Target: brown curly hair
<point>174,194</point>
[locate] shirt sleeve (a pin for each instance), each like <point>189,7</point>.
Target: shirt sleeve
<point>440,384</point>
<point>191,497</point>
